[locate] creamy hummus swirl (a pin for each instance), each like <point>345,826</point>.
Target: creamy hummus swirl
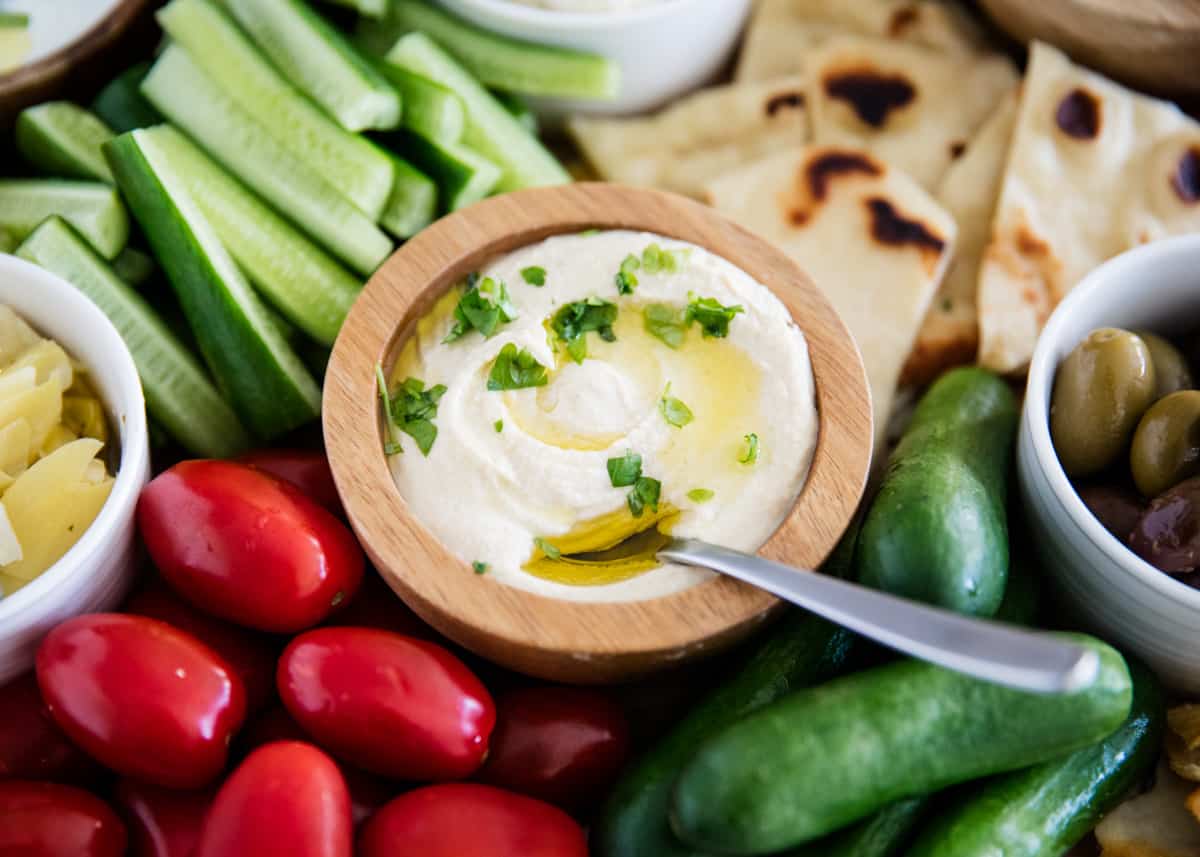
<point>512,466</point>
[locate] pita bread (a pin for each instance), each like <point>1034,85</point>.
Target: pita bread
<point>1094,170</point>
<point>1155,824</point>
<point>783,32</point>
<point>908,105</point>
<point>949,336</point>
<point>871,238</point>
<point>704,135</point>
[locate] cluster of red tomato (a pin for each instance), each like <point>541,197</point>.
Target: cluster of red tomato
<point>213,735</point>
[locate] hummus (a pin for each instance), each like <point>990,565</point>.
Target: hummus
<point>725,425</point>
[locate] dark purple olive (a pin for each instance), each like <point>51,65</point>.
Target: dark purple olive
<point>1118,509</point>
<point>1168,534</point>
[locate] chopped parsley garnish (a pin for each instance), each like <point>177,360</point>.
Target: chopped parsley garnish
<point>749,453</point>
<point>574,321</point>
<point>484,306</point>
<point>391,446</point>
<point>498,425</point>
<point>588,232</point>
<point>535,275</point>
<point>666,323</point>
<point>700,495</point>
<point>712,317</point>
<point>480,567</point>
<point>413,409</point>
<point>548,549</point>
<point>673,410</point>
<point>624,471</point>
<point>515,370</point>
<point>626,279</point>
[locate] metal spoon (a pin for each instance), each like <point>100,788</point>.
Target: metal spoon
<point>991,651</point>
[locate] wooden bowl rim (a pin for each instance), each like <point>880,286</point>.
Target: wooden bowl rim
<point>514,625</point>
<point>94,39</point>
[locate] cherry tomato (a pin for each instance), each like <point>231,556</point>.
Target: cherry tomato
<point>244,545</point>
<point>144,699</point>
<point>286,800</point>
<point>376,606</point>
<point>367,792</point>
<point>307,469</point>
<point>251,655</point>
<point>394,705</point>
<point>32,747</point>
<point>162,822</point>
<point>560,744</point>
<point>52,820</point>
<point>470,820</point>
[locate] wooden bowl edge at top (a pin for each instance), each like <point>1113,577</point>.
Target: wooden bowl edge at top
<point>550,638</point>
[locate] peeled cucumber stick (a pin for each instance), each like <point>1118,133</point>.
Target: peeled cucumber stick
<point>827,756</point>
<point>937,531</point>
<point>222,51</point>
<point>179,395</point>
<point>92,208</point>
<point>62,139</point>
<point>321,62</point>
<point>1045,810</point>
<point>208,115</point>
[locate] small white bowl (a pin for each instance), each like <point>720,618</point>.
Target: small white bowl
<point>664,48</point>
<point>1113,591</point>
<point>96,572</point>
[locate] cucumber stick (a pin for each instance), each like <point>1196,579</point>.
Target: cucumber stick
<point>121,105</point>
<point>296,277</point>
<point>510,64</point>
<point>264,379</point>
<point>134,267</point>
<point>462,177</point>
<point>828,756</point>
<point>231,61</point>
<point>8,241</point>
<point>520,110</point>
<point>1045,810</point>
<point>414,201</point>
<point>179,395</point>
<point>369,8</point>
<point>321,62</point>
<point>63,139</point>
<point>93,208</point>
<point>430,109</point>
<point>491,130</point>
<point>801,650</point>
<point>191,100</point>
<point>937,530</point>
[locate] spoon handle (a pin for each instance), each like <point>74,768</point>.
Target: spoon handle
<point>991,651</point>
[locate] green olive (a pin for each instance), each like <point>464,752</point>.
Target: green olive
<point>1166,445</point>
<point>1171,371</point>
<point>1101,391</point>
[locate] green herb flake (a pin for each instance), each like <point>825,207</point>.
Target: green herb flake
<point>626,470</point>
<point>645,493</point>
<point>575,320</point>
<point>391,446</point>
<point>484,306</point>
<point>700,495</point>
<point>626,279</point>
<point>534,275</point>
<point>656,260</point>
<point>479,567</point>
<point>666,323</point>
<point>587,233</point>
<point>673,410</point>
<point>498,425</point>
<point>749,453</point>
<point>516,369</point>
<point>548,549</point>
<point>712,317</point>
<point>413,410</point>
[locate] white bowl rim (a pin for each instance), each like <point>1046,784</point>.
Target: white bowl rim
<point>571,20</point>
<point>135,452</point>
<point>1037,397</point>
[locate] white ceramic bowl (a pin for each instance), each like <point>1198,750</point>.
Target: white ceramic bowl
<point>663,49</point>
<point>96,572</point>
<point>1113,591</point>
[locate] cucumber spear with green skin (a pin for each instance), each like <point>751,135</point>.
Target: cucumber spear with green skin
<point>936,531</point>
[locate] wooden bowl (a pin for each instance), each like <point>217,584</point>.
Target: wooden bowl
<point>1150,44</point>
<point>566,640</point>
<point>75,69</point>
